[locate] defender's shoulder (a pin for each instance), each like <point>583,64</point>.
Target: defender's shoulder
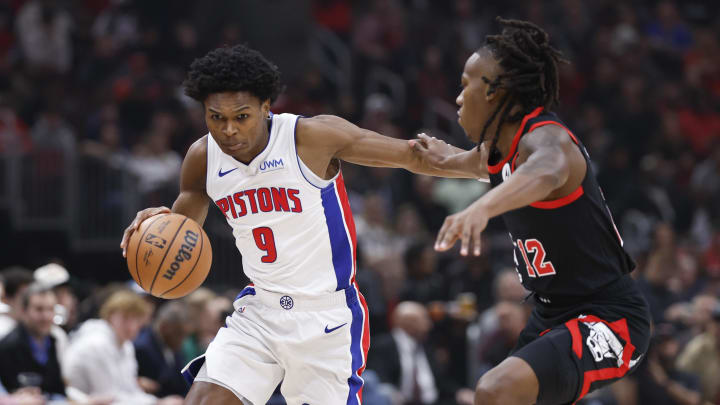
<point>550,134</point>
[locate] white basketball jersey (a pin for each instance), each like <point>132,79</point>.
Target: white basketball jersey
<point>294,230</point>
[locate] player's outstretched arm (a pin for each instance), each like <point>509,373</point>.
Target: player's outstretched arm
<point>192,200</point>
<point>335,137</point>
<point>443,156</point>
<point>550,166</point>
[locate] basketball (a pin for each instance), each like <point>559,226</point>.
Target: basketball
<point>169,256</point>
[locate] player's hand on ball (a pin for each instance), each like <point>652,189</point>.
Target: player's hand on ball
<point>434,151</point>
<point>466,225</point>
<point>135,224</point>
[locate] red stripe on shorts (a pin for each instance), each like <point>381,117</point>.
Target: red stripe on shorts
<point>620,327</point>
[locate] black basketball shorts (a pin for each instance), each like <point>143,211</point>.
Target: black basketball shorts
<point>575,351</point>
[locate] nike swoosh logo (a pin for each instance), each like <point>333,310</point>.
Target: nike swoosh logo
<point>335,328</point>
<point>221,173</point>
<point>633,362</point>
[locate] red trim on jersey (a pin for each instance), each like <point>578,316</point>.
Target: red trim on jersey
<point>365,341</point>
<point>542,124</point>
<point>496,168</point>
<point>619,327</point>
<point>544,332</point>
<point>512,164</point>
<point>560,202</point>
<point>349,221</point>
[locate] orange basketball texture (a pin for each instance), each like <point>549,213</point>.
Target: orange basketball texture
<point>169,256</point>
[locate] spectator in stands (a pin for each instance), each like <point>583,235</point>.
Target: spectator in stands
<point>44,32</point>
<point>14,137</point>
<point>101,357</point>
<point>431,212</point>
<point>424,283</point>
<point>701,356</point>
<point>472,274</point>
<point>380,34</point>
<point>667,31</point>
<point>28,353</point>
<point>108,147</point>
<point>202,328</point>
<point>51,131</point>
<point>15,281</point>
<point>506,287</point>
<point>157,349</point>
<point>57,277</point>
<point>156,167</point>
<point>659,382</point>
<point>402,359</point>
<point>494,347</point>
<point>660,265</point>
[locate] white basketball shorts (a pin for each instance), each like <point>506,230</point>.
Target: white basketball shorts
<point>315,346</point>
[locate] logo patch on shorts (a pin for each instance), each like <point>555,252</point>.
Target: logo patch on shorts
<point>603,343</point>
<point>286,302</point>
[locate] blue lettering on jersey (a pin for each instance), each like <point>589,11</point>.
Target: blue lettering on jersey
<point>271,164</point>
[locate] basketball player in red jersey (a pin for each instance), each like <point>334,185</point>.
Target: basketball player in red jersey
<point>590,325</point>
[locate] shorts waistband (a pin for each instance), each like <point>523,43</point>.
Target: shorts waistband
<point>615,288</point>
<point>295,302</point>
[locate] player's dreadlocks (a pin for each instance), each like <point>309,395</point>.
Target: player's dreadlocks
<point>530,77</point>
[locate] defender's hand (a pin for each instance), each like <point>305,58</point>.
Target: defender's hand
<point>135,224</point>
<point>466,225</point>
<point>434,151</point>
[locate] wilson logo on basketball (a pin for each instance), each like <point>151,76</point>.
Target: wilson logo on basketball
<point>185,253</point>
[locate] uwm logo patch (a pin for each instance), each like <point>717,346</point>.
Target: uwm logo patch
<point>271,164</point>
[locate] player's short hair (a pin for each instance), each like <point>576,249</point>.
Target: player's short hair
<point>231,69</point>
<point>530,75</point>
<point>14,279</point>
<point>126,302</point>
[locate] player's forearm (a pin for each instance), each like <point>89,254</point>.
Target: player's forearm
<point>461,164</point>
<point>533,181</point>
<point>193,205</point>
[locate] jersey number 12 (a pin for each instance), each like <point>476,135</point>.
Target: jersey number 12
<point>539,266</point>
<point>265,240</point>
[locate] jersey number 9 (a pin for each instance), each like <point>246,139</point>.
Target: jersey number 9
<point>265,240</point>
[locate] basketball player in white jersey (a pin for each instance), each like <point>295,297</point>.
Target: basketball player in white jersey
<point>277,180</point>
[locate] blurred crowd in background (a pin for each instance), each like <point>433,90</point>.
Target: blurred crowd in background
<point>92,88</point>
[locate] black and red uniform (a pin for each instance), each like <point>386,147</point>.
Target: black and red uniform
<point>590,325</point>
